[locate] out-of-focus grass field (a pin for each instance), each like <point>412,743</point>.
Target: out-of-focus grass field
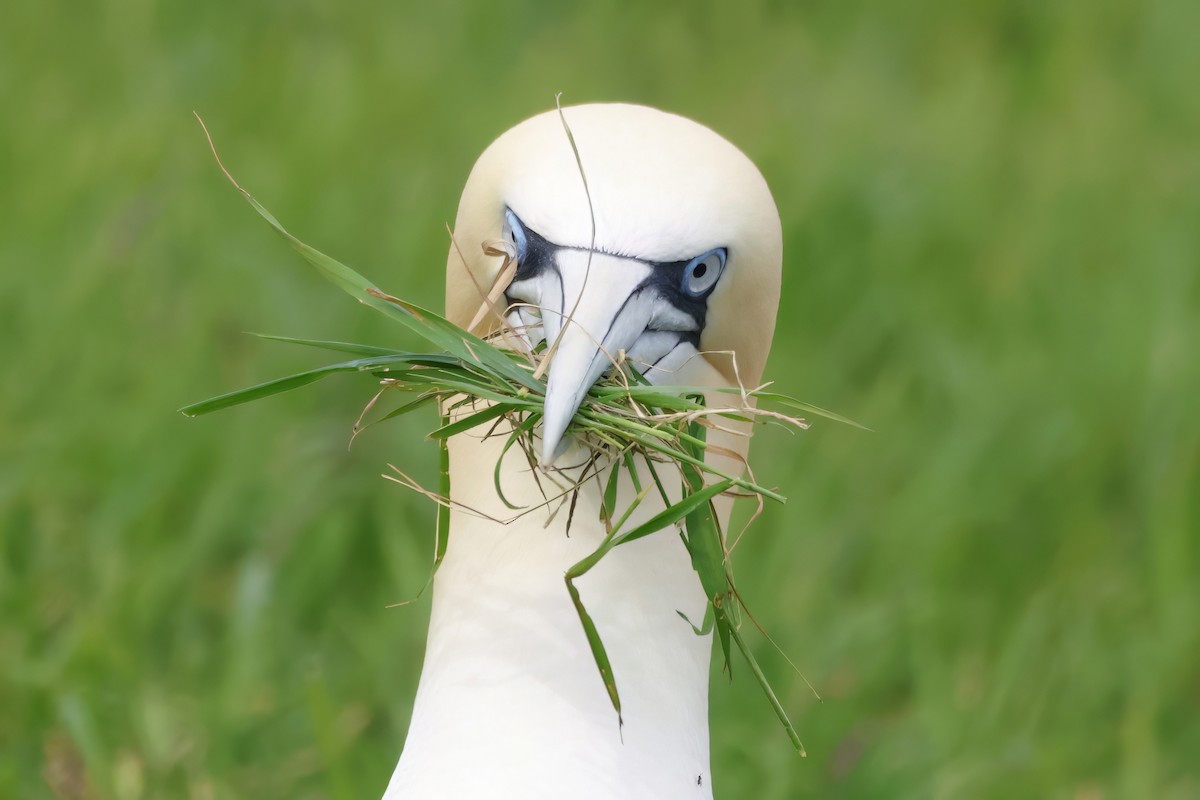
<point>992,221</point>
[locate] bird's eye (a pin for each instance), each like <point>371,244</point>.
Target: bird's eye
<point>514,232</point>
<point>702,272</point>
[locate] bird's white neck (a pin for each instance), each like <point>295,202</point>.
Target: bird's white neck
<point>510,703</point>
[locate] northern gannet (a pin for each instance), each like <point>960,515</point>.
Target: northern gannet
<point>684,277</point>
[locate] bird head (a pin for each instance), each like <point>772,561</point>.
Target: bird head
<point>680,273</point>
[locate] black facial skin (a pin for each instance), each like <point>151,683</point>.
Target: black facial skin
<point>666,279</point>
<point>539,256</point>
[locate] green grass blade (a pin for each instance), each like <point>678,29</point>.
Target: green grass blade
<point>708,559</point>
<point>285,384</point>
<point>443,512</point>
<point>472,420</point>
<point>672,514</point>
<point>414,380</point>
<point>631,467</point>
<point>704,544</point>
<point>706,625</point>
<point>608,504</point>
<point>522,428</point>
<point>596,644</point>
<point>615,538</point>
<point>768,691</point>
<point>420,402</point>
<point>654,440</point>
<point>655,396</point>
<point>658,484</point>
<point>364,350</point>
<point>425,323</point>
<point>705,547</point>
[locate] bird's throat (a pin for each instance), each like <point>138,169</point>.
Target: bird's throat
<point>510,703</point>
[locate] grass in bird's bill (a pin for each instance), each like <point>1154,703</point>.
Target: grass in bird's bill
<point>624,422</point>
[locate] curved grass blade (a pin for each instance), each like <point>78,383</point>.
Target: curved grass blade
<point>441,531</point>
<point>706,625</point>
<point>776,706</point>
<point>364,350</point>
<point>472,420</point>
<point>519,430</point>
<point>420,402</point>
<point>705,548</point>
<point>286,384</point>
<point>669,516</point>
<point>658,484</point>
<point>599,654</point>
<point>425,323</point>
<point>631,466</point>
<point>443,511</point>
<point>653,439</point>
<point>608,505</point>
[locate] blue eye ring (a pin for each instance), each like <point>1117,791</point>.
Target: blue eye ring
<point>702,273</point>
<point>514,232</point>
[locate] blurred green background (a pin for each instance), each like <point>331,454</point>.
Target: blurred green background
<point>991,214</point>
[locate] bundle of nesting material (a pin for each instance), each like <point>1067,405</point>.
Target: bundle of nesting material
<point>654,434</point>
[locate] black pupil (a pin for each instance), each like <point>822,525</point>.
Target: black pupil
<point>700,269</point>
